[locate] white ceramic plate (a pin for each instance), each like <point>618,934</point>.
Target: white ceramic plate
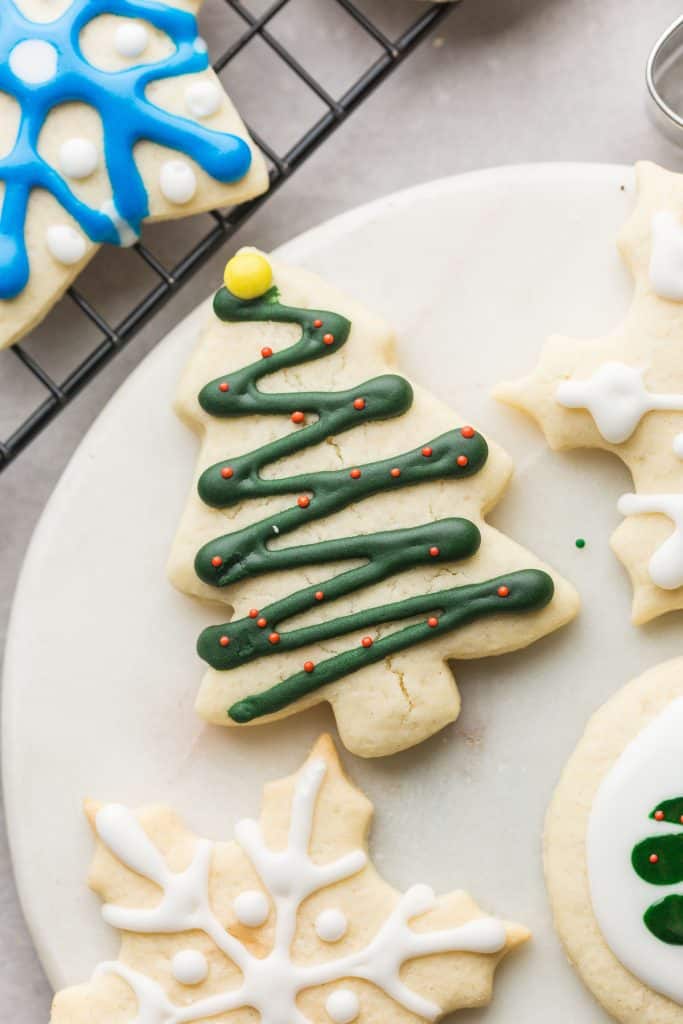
<point>101,671</point>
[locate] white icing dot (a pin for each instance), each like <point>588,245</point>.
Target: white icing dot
<point>177,181</point>
<point>251,908</point>
<point>131,39</point>
<point>34,61</point>
<point>331,925</point>
<point>200,45</point>
<point>78,158</point>
<point>202,99</point>
<point>678,445</point>
<point>189,967</point>
<point>343,1006</point>
<point>666,260</point>
<point>65,244</point>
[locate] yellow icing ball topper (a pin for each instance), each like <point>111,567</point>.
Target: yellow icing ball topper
<point>248,274</point>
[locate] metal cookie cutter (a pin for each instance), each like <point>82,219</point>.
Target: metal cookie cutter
<point>665,87</point>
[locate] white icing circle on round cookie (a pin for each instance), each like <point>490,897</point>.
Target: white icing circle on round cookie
<point>78,158</point>
<point>646,773</point>
<point>342,1006</point>
<point>202,99</point>
<point>131,39</point>
<point>200,45</point>
<point>678,445</point>
<point>189,967</point>
<point>65,244</point>
<point>177,181</point>
<point>331,925</point>
<point>34,61</point>
<point>251,908</point>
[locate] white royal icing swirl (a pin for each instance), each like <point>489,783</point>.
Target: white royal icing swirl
<point>666,259</point>
<point>649,770</point>
<point>271,984</point>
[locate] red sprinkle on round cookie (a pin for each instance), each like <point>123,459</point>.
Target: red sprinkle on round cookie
<point>224,641</point>
<point>328,339</point>
<point>427,451</point>
<point>319,596</point>
<point>432,621</point>
<point>308,666</point>
<point>395,472</point>
<point>303,501</point>
<point>253,612</point>
<point>227,472</point>
<point>297,417</point>
<point>467,432</point>
<point>355,474</point>
<point>359,403</point>
<point>317,323</point>
<point>503,591</point>
<point>274,638</point>
<point>659,815</point>
<point>366,641</point>
<point>216,561</point>
<point>434,551</point>
<point>462,460</point>
<point>224,386</point>
<point>262,623</point>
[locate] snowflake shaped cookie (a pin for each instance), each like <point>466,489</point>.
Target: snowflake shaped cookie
<point>289,924</point>
<point>624,393</point>
<point>109,114</point>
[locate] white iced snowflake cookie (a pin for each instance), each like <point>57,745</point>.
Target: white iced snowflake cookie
<point>624,393</point>
<point>105,122</point>
<point>188,954</point>
<point>338,511</point>
<point>614,851</point>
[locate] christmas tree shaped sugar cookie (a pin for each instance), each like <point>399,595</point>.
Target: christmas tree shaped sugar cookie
<point>338,512</point>
<point>109,115</point>
<point>289,924</point>
<point>624,393</point>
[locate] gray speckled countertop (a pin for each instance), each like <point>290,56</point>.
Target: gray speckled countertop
<point>504,81</point>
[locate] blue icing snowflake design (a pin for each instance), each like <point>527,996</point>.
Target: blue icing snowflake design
<point>127,118</point>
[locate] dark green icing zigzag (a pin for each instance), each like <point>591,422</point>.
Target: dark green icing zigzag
<point>246,553</point>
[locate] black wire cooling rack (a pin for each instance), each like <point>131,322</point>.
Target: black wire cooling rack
<point>48,392</point>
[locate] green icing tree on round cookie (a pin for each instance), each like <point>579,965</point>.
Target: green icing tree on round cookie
<point>659,861</point>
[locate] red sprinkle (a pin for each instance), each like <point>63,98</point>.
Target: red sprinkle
<point>227,472</point>
<point>659,815</point>
<point>503,591</point>
<point>317,323</point>
<point>681,819</point>
<point>434,552</point>
<point>467,432</point>
<point>303,501</point>
<point>253,612</point>
<point>366,641</point>
<point>359,403</point>
<point>427,451</point>
<point>433,622</point>
<point>262,623</point>
<point>395,472</point>
<point>462,460</point>
<point>224,386</point>
<point>319,595</point>
<point>266,352</point>
<point>355,474</point>
<point>216,561</point>
<point>224,641</point>
<point>274,638</point>
<point>654,859</point>
<point>328,339</point>
<point>308,666</point>
<point>297,417</point>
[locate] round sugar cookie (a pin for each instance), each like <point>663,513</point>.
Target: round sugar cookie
<point>614,851</point>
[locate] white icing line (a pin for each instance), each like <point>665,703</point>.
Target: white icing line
<point>666,259</point>
<point>666,565</point>
<point>617,399</point>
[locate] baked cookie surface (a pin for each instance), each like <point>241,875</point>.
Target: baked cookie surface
<point>613,842</point>
<point>289,924</point>
<point>391,569</point>
<point>109,115</point>
<point>624,393</point>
